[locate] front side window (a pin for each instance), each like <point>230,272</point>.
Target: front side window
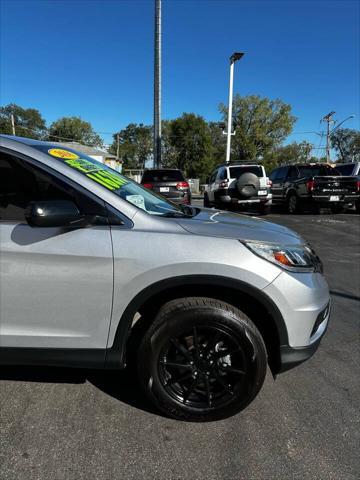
<point>22,183</point>
<point>112,180</point>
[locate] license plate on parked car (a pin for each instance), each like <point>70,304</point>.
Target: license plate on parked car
<point>164,189</point>
<point>334,198</point>
<point>262,192</point>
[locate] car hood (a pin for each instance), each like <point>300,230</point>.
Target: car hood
<point>222,224</point>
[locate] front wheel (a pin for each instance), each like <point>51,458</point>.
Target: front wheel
<point>201,360</point>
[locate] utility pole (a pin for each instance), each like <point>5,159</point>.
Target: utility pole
<point>234,57</point>
<point>328,119</point>
<point>117,145</point>
<point>157,86</point>
<point>13,124</point>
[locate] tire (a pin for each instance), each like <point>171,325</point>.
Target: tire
<point>206,201</point>
<point>292,204</point>
<point>264,210</point>
<point>248,185</point>
<point>337,209</point>
<point>357,206</point>
<point>201,360</point>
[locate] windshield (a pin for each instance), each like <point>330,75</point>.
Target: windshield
<point>114,181</point>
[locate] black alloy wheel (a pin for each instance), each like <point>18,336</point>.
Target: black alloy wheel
<point>204,367</point>
<point>202,360</point>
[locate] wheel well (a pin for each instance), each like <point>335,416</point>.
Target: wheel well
<point>247,303</point>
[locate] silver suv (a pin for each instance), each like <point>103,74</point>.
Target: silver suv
<point>241,185</point>
<point>97,271</point>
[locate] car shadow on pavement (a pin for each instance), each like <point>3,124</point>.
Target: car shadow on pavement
<point>120,384</point>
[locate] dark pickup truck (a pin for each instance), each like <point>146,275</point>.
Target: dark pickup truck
<point>316,185</point>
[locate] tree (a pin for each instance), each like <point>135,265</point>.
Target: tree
<point>168,150</point>
<point>135,145</point>
<point>191,139</point>
<point>261,125</point>
<point>28,121</point>
<point>287,154</point>
<point>74,129</point>
<point>346,142</point>
<point>218,143</point>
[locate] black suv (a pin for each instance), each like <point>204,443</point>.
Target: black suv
<point>313,185</point>
<point>169,183</point>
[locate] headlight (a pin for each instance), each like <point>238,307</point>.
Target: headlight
<point>296,258</point>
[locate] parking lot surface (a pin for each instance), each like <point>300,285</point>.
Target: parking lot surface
<point>69,424</point>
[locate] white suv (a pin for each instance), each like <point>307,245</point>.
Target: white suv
<point>240,184</point>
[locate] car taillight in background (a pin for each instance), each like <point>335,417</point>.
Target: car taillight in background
<point>224,184</point>
<point>358,185</point>
<point>148,185</point>
<point>269,183</point>
<point>310,185</point>
<point>182,186</point>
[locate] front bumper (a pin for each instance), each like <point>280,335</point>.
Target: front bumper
<point>304,303</point>
<point>290,357</point>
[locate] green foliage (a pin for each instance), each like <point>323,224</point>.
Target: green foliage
<point>346,142</point>
<point>28,121</point>
<point>288,154</point>
<point>74,129</point>
<point>261,125</point>
<point>190,137</point>
<point>135,145</point>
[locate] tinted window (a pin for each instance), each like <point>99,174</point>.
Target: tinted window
<point>279,174</point>
<point>292,173</point>
<point>21,183</point>
<point>235,172</point>
<point>345,169</point>
<point>162,176</point>
<point>213,176</point>
<point>316,171</point>
<point>222,174</point>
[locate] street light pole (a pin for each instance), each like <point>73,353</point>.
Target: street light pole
<point>234,57</point>
<point>157,86</point>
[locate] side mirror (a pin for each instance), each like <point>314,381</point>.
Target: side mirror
<point>53,213</point>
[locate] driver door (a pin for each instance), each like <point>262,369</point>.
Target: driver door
<point>55,283</point>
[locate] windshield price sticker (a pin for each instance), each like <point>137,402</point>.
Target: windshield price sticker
<point>108,179</point>
<point>60,153</point>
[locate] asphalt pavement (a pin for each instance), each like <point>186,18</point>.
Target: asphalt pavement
<point>69,424</point>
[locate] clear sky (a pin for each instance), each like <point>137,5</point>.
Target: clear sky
<point>94,58</point>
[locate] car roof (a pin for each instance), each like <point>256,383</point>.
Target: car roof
<point>25,140</point>
<point>239,164</point>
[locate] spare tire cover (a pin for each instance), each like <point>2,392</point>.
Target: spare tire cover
<point>248,184</point>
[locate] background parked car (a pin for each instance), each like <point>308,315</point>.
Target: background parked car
<point>239,184</point>
<point>169,183</point>
<point>315,185</point>
<point>352,169</point>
